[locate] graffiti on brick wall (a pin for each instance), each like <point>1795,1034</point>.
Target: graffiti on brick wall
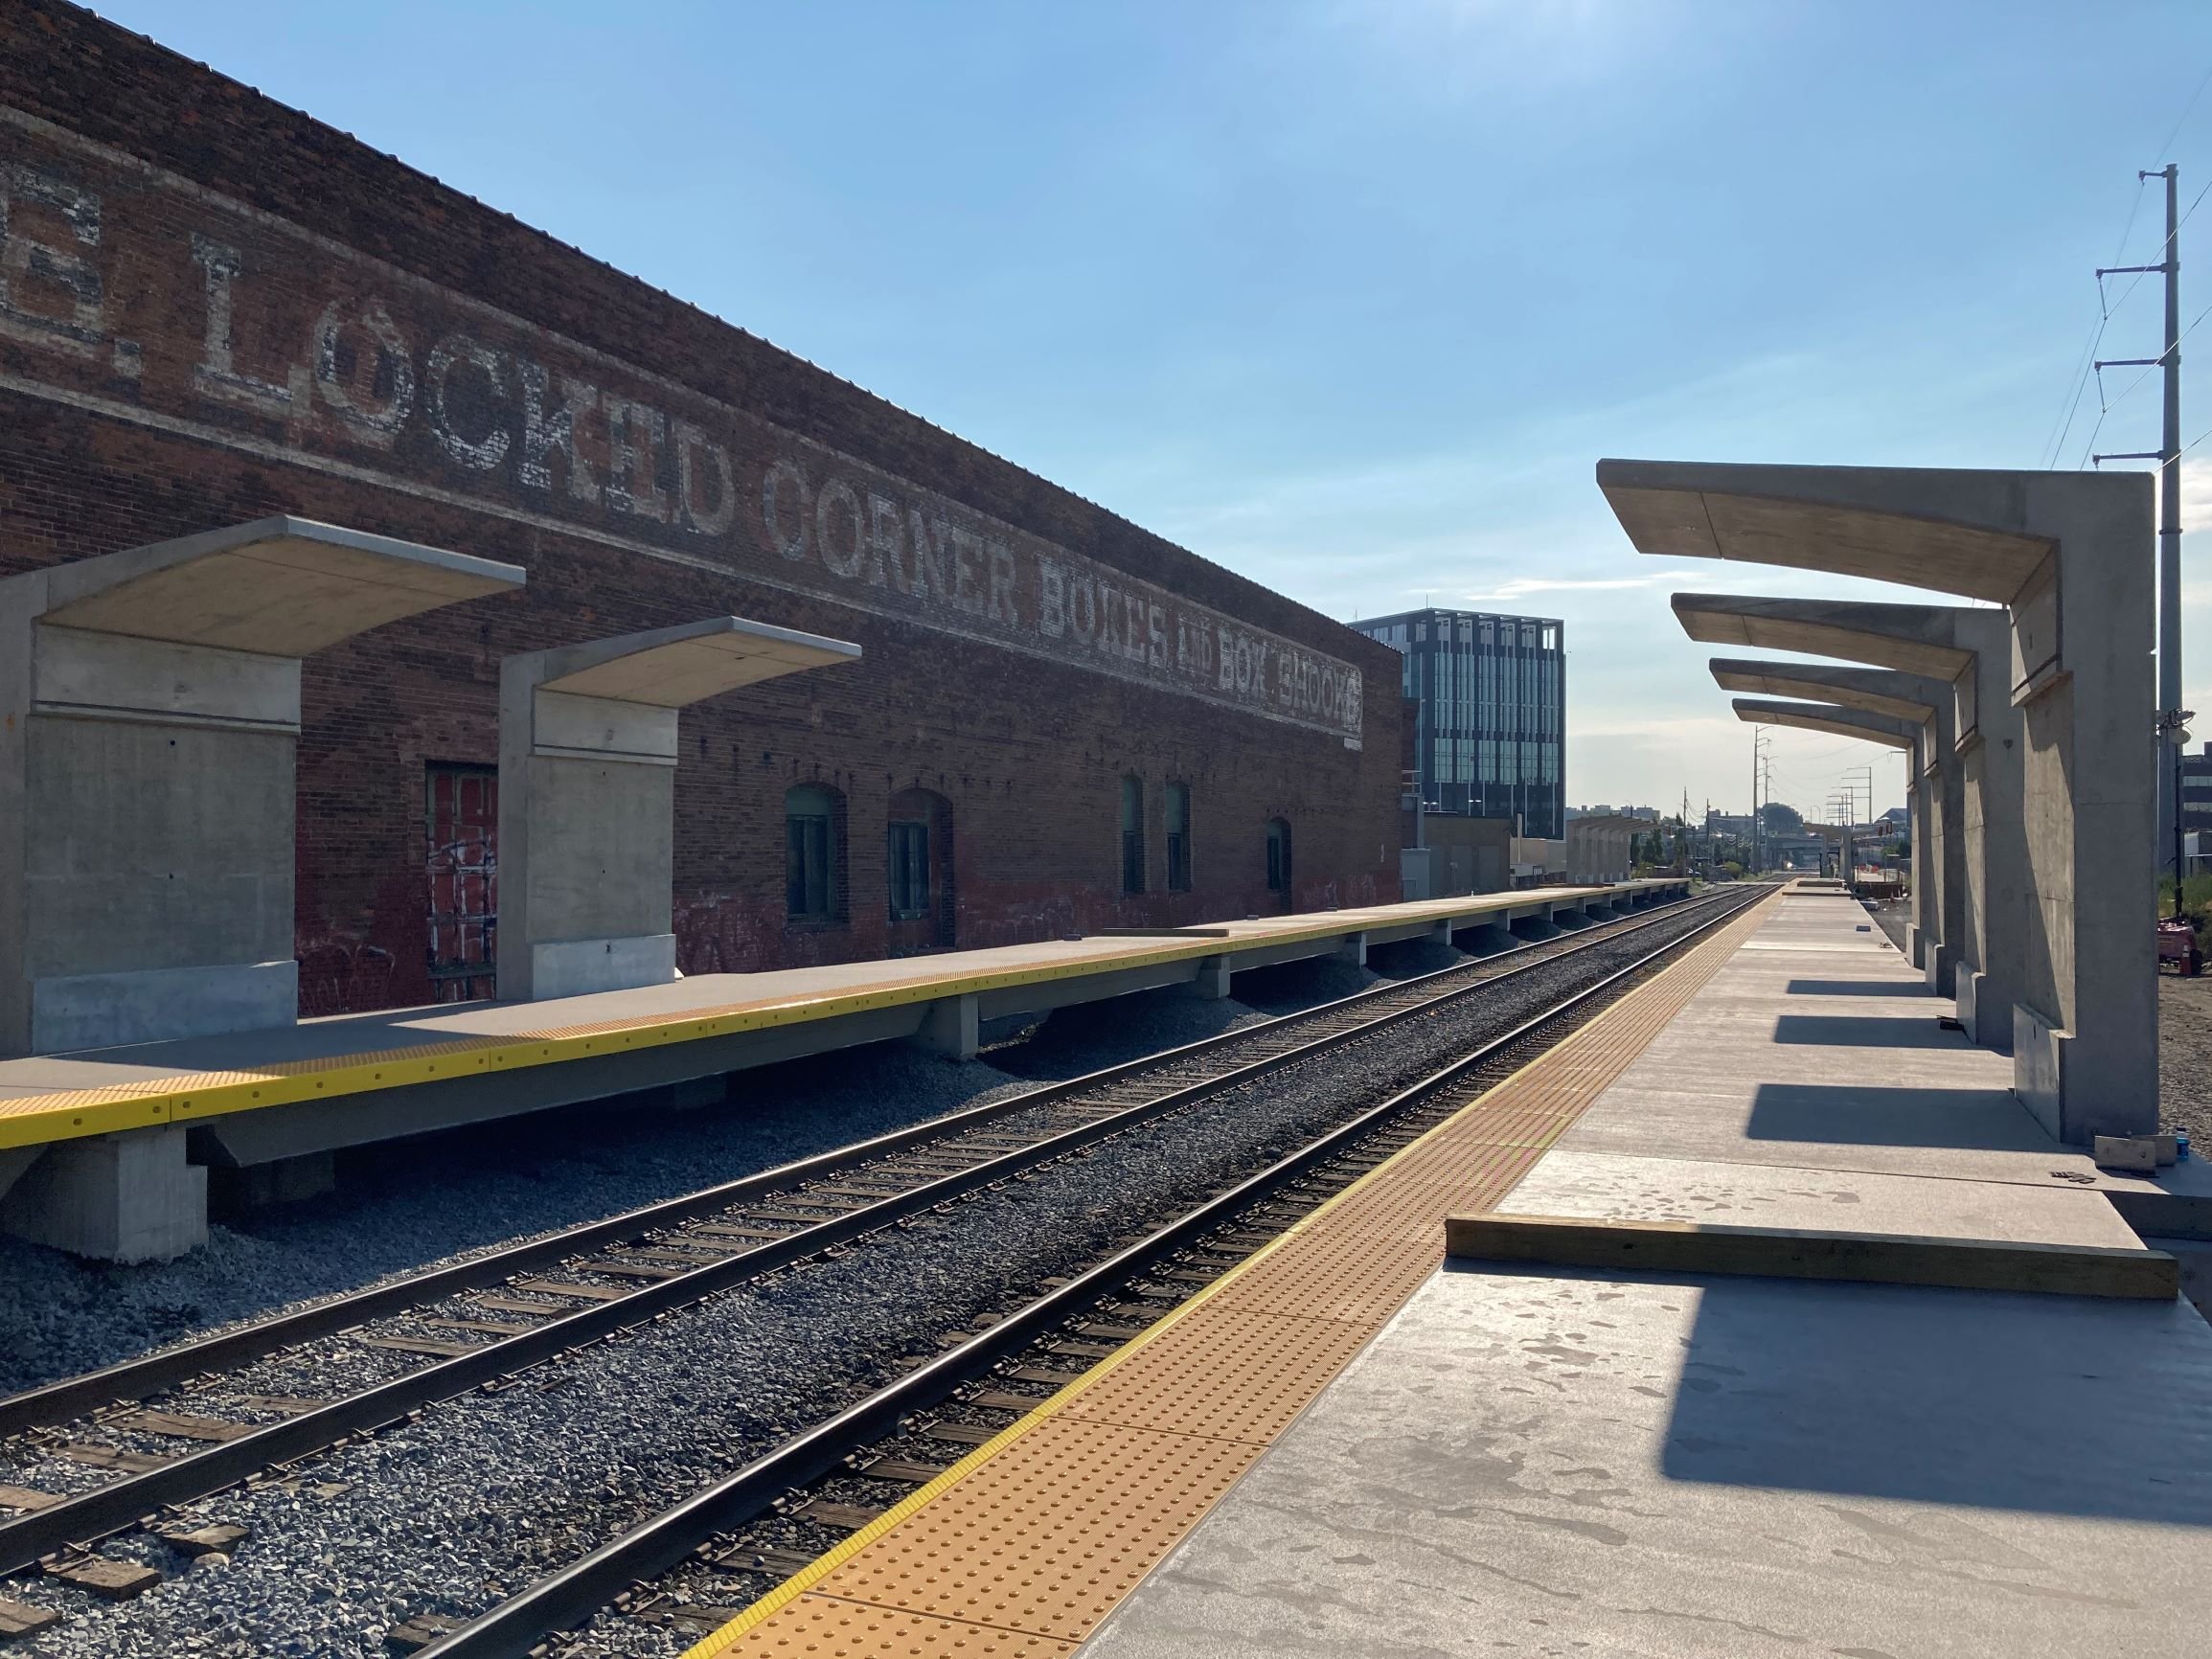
<point>139,296</point>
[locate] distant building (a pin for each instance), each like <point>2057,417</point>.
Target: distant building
<point>1490,739</point>
<point>2197,790</point>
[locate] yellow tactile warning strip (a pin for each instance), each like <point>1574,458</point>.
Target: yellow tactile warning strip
<point>64,1114</point>
<point>1027,1543</point>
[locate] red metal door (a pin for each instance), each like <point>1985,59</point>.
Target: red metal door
<point>464,863</point>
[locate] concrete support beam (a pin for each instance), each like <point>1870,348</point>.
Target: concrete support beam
<point>587,756</point>
<point>127,1198</point>
<point>2068,555</point>
<point>150,707</point>
<point>1211,982</point>
<point>952,1028</point>
<point>1983,869</point>
<point>1354,949</point>
<point>1936,935</point>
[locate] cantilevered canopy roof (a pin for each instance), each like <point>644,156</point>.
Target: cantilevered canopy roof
<point>1915,638</point>
<point>284,587</point>
<point>1830,717</point>
<point>669,668</point>
<point>1952,531</point>
<point>1912,697</point>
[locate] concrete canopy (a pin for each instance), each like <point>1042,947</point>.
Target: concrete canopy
<point>1830,717</point>
<point>1902,696</point>
<point>669,668</point>
<point>279,587</point>
<point>1913,639</point>
<point>1951,529</point>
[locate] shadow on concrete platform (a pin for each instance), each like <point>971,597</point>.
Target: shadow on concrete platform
<point>1892,987</point>
<point>2062,1405</point>
<point>1854,1114</point>
<point>1867,1031</point>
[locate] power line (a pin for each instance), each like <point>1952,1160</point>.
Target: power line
<point>2097,335</point>
<point>2106,308</point>
<point>2159,361</point>
<point>2182,119</point>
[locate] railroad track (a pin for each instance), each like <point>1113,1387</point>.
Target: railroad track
<point>481,1321</point>
<point>698,1564</point>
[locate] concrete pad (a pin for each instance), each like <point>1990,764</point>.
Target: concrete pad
<point>1556,1464</point>
<point>1602,1185</point>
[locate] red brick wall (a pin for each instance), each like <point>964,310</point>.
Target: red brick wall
<point>219,309</point>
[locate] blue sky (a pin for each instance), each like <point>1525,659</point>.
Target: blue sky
<point>1352,297</point>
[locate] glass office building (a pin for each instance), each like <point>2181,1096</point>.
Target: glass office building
<point>1491,733</point>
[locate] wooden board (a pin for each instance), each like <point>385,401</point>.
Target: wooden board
<point>21,1618</point>
<point>185,1426</point>
<point>1796,1253</point>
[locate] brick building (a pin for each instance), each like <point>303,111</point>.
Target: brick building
<point>213,308</point>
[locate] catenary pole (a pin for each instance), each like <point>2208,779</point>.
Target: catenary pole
<point>2168,455</point>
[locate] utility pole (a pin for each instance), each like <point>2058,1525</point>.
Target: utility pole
<point>2170,736</point>
<point>1757,736</point>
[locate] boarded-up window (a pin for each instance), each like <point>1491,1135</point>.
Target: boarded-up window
<point>1133,834</point>
<point>1178,838</point>
<point>814,850</point>
<point>463,824</point>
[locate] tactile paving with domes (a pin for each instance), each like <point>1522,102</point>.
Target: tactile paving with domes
<point>1025,1545</point>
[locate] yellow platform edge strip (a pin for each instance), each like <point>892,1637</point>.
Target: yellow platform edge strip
<point>60,1115</point>
<point>713,1646</point>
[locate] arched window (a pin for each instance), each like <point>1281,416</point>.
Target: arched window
<point>1279,856</point>
<point>1132,834</point>
<point>1178,838</point>
<point>813,853</point>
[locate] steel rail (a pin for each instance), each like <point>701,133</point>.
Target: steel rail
<point>123,1503</point>
<point>563,1600</point>
<point>136,1380</point>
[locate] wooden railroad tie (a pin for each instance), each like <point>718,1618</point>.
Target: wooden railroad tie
<point>1798,1253</point>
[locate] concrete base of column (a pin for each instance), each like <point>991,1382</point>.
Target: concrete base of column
<point>1939,967</point>
<point>1986,1023</point>
<point>1916,952</point>
<point>1212,983</point>
<point>584,966</point>
<point>1353,950</point>
<point>951,1028</point>
<point>128,1198</point>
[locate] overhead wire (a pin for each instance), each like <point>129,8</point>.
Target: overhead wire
<point>2107,308</point>
<point>2057,440</point>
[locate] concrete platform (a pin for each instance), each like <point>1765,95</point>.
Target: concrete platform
<point>1553,1463</point>
<point>1563,1460</point>
<point>1347,1446</point>
<point>299,1092</point>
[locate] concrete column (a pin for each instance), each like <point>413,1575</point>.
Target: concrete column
<point>587,757</point>
<point>1354,949</point>
<point>952,1028</point>
<point>127,1197</point>
<point>1926,704</point>
<point>150,707</point>
<point>2068,557</point>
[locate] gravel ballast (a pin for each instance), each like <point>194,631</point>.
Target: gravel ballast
<point>449,1512</point>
